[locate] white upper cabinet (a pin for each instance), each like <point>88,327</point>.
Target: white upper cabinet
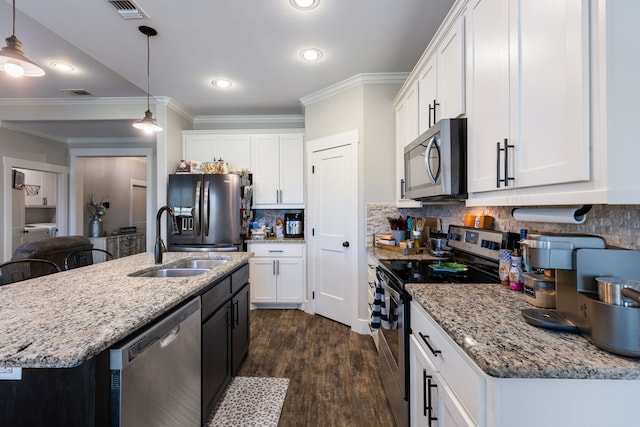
<point>407,129</point>
<point>434,90</point>
<point>207,146</point>
<point>442,78</point>
<point>278,171</point>
<point>42,188</point>
<point>528,79</point>
<point>556,81</point>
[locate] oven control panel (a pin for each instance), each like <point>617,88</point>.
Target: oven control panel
<point>479,241</point>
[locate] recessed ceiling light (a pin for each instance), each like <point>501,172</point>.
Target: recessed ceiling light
<point>62,67</point>
<point>304,4</point>
<point>311,55</point>
<point>221,83</point>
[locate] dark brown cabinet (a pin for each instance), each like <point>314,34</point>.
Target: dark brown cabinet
<point>225,335</point>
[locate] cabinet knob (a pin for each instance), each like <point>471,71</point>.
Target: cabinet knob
<point>345,244</point>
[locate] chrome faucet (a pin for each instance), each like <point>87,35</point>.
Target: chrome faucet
<point>160,247</point>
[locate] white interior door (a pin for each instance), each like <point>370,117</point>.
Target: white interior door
<point>138,213</point>
<point>333,204</point>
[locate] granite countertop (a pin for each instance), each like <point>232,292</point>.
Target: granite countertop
<point>64,319</point>
<point>276,240</point>
<point>485,320</point>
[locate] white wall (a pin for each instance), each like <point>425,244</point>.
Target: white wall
<point>367,107</point>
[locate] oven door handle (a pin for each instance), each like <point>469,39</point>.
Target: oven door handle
<point>391,292</point>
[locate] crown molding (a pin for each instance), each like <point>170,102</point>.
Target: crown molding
<point>353,82</point>
<point>14,127</point>
<point>111,141</point>
<point>29,102</point>
<point>294,118</point>
<point>173,105</point>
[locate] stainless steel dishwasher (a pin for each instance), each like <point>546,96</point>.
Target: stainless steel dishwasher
<point>155,377</point>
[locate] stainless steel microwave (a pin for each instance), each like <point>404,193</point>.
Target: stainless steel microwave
<point>435,163</point>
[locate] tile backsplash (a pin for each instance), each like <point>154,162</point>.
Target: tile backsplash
<point>619,225</point>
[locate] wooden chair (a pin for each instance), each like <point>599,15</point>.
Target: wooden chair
<point>84,257</point>
<point>16,271</point>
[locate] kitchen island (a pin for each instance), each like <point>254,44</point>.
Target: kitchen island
<point>57,329</point>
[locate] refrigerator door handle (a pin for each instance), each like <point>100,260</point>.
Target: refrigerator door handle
<point>196,213</point>
<point>205,207</point>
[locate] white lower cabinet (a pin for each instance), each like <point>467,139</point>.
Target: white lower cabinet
<point>446,390</point>
<point>276,273</point>
<point>449,389</point>
<point>433,403</point>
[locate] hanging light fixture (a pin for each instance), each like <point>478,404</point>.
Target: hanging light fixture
<point>147,124</point>
<point>13,60</point>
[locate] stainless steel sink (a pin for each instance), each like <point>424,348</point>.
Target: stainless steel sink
<point>172,272</point>
<point>201,263</point>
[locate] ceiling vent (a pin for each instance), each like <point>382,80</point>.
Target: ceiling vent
<point>75,92</point>
<point>128,9</point>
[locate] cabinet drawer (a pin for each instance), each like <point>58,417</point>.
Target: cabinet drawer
<point>276,250</point>
<point>215,297</point>
<point>464,379</point>
<point>239,278</point>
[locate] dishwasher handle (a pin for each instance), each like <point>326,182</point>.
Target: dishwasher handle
<point>166,331</point>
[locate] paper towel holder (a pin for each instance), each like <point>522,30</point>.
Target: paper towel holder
<point>571,215</point>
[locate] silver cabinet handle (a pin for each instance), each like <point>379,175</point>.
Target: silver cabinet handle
<point>278,264</point>
<point>273,263</point>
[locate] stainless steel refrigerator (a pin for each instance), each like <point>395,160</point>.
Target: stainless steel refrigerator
<point>208,212</point>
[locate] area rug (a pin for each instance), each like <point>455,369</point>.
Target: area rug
<point>251,401</point>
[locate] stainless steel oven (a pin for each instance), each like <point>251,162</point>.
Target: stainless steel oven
<point>392,346</point>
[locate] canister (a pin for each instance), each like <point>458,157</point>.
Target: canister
<point>539,290</point>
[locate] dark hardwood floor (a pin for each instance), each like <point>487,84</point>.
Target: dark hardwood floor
<point>332,371</point>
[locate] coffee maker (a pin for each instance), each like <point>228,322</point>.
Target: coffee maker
<point>577,261</point>
<point>294,225</point>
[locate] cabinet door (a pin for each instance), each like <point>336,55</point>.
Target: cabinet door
<point>433,403</point>
<point>291,171</point>
<point>266,169</point>
<point>216,341</point>
<point>551,126</point>
<point>34,179</point>
<point>111,246</point>
<point>240,329</point>
<point>262,275</point>
<point>290,279</point>
<point>402,139</point>
<point>413,113</point>
<point>488,119</point>
<point>236,150</point>
<point>49,187</point>
<point>428,86</point>
<point>199,147</point>
<point>451,78</point>
<point>422,387</point>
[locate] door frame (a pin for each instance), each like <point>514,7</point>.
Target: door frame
<point>348,138</point>
<point>77,207</point>
<point>62,177</point>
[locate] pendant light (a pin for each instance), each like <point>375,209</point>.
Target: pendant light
<point>147,124</point>
<point>13,60</point>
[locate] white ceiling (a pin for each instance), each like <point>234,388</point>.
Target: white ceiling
<point>254,43</point>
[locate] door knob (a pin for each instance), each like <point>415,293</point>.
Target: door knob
<point>345,244</point>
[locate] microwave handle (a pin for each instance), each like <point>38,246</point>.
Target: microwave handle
<point>402,188</point>
<point>432,142</point>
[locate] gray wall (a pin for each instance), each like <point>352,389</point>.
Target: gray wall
<point>109,178</point>
<point>28,147</point>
